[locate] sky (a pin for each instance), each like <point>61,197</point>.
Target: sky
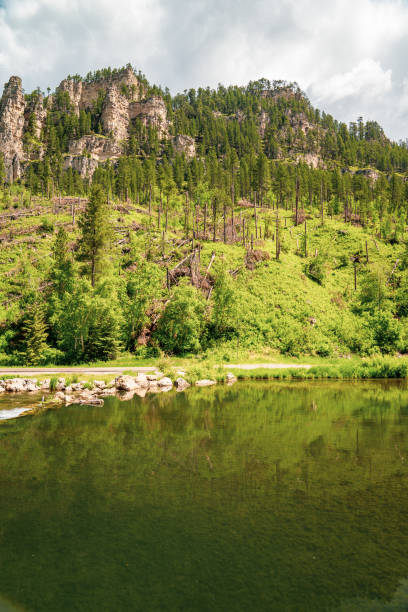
<point>349,56</point>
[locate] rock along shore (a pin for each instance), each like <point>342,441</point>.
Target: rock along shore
<point>93,393</point>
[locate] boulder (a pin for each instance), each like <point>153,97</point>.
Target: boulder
<point>231,378</point>
<point>77,387</point>
<point>45,385</point>
<point>126,383</point>
<point>181,384</point>
<point>15,385</point>
<point>205,382</point>
<point>60,384</point>
<point>165,382</point>
<point>142,381</point>
<point>100,384</point>
<point>151,377</point>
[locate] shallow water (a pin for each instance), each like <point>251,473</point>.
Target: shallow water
<point>261,496</point>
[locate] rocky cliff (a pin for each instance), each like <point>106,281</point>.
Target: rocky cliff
<point>88,152</point>
<point>151,112</point>
<point>118,98</point>
<point>84,95</point>
<point>12,107</point>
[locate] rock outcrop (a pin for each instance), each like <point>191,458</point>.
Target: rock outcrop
<point>115,114</point>
<point>83,95</point>
<point>12,107</point>
<point>86,153</point>
<point>35,110</point>
<point>184,144</point>
<point>117,100</point>
<point>152,112</point>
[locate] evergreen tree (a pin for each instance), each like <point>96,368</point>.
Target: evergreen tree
<point>96,232</point>
<point>34,335</point>
<point>62,273</point>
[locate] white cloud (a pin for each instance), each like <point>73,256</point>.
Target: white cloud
<point>366,80</point>
<point>348,55</point>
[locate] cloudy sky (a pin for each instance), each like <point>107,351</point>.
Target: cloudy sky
<point>350,56</point>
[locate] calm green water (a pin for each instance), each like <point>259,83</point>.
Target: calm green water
<point>262,496</point>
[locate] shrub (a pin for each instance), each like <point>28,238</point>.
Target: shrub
<point>181,325</point>
<point>315,269</point>
<point>387,331</point>
<point>46,226</point>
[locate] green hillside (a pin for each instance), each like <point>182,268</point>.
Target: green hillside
<point>276,229</point>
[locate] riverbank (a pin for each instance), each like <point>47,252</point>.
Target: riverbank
<point>89,385</point>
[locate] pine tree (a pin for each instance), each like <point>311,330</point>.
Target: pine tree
<point>34,335</point>
<point>96,232</point>
<point>62,273</point>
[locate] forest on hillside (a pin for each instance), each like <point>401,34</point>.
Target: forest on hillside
<point>244,245</point>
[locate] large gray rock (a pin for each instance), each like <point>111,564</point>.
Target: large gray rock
<point>31,385</point>
<point>45,385</point>
<point>100,384</point>
<point>60,384</point>
<point>126,383</point>
<point>142,381</point>
<point>181,384</point>
<point>15,385</point>
<point>165,382</point>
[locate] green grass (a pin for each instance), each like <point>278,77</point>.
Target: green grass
<point>280,315</point>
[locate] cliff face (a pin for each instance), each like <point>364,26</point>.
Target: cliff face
<point>184,144</point>
<point>35,110</point>
<point>115,114</point>
<point>12,108</point>
<point>151,112</point>
<point>123,101</point>
<point>88,152</point>
<point>83,95</point>
<point>119,98</point>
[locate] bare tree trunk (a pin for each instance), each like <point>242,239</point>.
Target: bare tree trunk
<point>297,201</point>
<point>305,239</point>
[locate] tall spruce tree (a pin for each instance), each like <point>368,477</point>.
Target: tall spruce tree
<point>34,335</point>
<point>96,232</point>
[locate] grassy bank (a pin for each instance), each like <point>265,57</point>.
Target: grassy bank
<point>194,369</point>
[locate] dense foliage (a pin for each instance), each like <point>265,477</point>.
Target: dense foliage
<point>328,203</point>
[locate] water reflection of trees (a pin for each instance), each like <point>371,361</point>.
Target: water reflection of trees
<point>319,467</point>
